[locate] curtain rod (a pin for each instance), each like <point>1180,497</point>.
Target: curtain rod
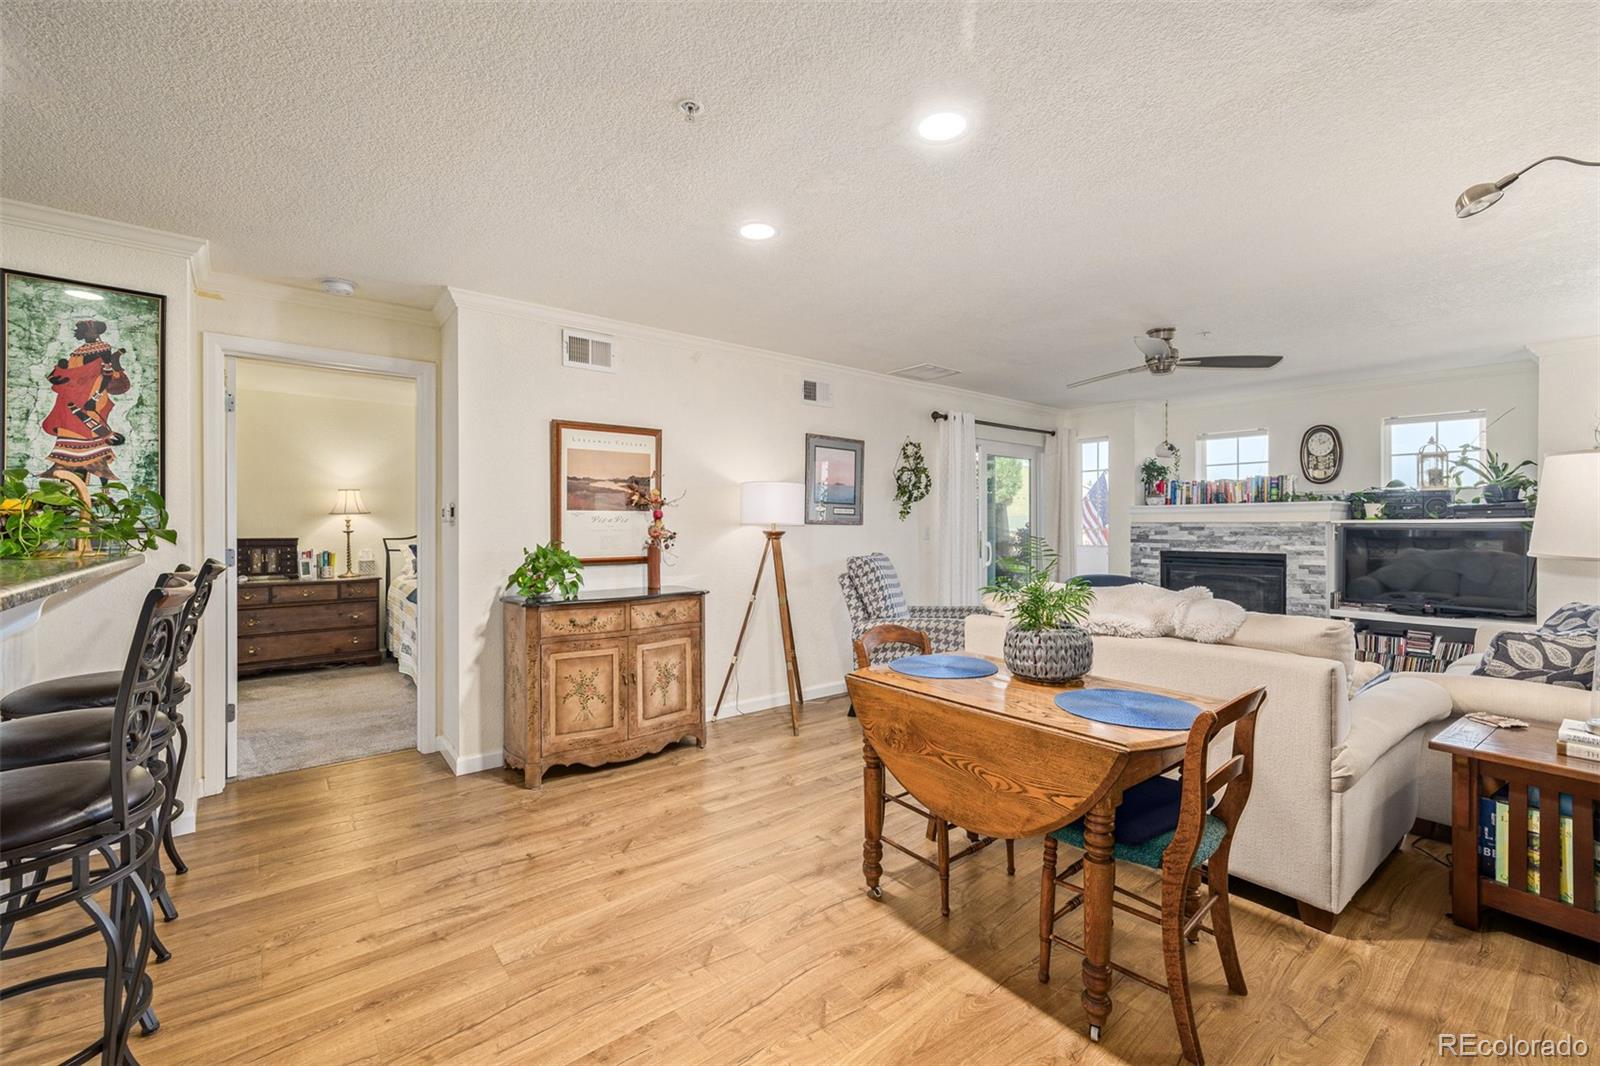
<point>940,416</point>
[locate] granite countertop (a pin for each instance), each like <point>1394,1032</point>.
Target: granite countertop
<point>26,580</point>
<point>604,596</point>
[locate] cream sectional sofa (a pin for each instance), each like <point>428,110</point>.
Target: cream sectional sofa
<point>1336,777</point>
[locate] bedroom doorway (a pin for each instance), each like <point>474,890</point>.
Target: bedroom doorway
<point>320,475</point>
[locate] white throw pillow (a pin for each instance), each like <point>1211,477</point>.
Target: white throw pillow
<point>1207,620</point>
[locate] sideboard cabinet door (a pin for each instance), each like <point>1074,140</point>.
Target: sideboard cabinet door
<point>666,693</point>
<point>583,694</point>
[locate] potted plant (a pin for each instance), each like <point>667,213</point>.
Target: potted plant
<point>1502,482</point>
<point>1152,472</point>
<point>1043,642</point>
<point>547,569</point>
<point>912,482</point>
<point>53,519</point>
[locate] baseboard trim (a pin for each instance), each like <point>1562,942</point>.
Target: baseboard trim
<point>460,765</point>
<point>184,824</point>
<point>756,704</point>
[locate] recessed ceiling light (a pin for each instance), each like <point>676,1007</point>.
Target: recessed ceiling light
<point>942,126</point>
<point>758,231</point>
<point>81,295</point>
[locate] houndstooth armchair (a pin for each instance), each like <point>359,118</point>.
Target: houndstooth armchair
<point>873,595</point>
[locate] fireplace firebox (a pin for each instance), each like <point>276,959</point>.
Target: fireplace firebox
<point>1256,581</point>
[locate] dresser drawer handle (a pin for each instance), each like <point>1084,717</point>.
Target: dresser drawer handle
<point>355,640</point>
<point>592,624</point>
<point>305,594</point>
<point>250,650</point>
<point>355,616</point>
<point>252,623</point>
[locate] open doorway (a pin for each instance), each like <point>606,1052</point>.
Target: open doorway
<point>325,503</point>
<point>324,650</point>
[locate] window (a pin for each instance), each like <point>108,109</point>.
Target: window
<point>1402,437</point>
<point>1230,456</point>
<point>1009,505</point>
<point>1094,489</point>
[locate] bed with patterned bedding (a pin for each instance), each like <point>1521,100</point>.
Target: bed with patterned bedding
<point>401,606</point>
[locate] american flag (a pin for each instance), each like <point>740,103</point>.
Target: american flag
<point>1096,504</point>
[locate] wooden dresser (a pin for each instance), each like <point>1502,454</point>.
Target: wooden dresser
<point>289,623</point>
<point>609,676</point>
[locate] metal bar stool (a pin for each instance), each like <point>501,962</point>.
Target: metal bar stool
<point>99,690</point>
<point>98,819</point>
<point>871,640</point>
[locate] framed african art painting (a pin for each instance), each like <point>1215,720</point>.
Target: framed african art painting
<point>81,381</point>
<point>592,469</point>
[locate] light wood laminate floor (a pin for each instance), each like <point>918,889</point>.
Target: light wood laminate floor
<point>708,907</point>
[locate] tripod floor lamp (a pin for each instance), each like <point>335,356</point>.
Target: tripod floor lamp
<point>772,504</point>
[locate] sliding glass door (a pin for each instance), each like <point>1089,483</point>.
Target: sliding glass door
<point>1010,500</point>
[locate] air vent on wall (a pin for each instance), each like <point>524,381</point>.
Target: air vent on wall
<point>924,372</point>
<point>590,351</point>
<point>816,393</point>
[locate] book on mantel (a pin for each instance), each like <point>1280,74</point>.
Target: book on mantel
<point>1575,741</point>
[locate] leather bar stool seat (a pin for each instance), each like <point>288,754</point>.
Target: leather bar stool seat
<point>64,737</point>
<point>46,802</point>
<point>70,693</point>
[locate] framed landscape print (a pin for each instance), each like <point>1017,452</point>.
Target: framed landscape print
<point>833,480</point>
<point>592,467</point>
<point>81,381</point>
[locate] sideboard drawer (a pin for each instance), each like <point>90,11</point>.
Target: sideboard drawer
<point>297,593</point>
<point>248,596</point>
<point>582,621</point>
<point>297,618</point>
<point>338,642</point>
<point>665,613</point>
<point>358,590</point>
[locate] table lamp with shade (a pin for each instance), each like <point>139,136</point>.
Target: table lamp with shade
<point>773,504</point>
<point>349,503</point>
<point>1566,524</point>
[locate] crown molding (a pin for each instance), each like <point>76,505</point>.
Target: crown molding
<point>71,224</point>
<point>224,285</point>
<point>453,300</point>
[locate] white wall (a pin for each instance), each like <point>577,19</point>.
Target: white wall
<point>1510,394</point>
<point>88,628</point>
<point>1569,421</point>
<point>301,434</point>
<point>728,415</point>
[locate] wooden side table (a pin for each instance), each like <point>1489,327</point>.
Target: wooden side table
<point>1484,759</point>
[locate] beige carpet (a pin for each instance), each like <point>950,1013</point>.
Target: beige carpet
<point>290,721</point>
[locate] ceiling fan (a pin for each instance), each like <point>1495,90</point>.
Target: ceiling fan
<point>1161,357</point>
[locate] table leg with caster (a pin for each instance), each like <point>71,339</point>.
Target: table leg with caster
<point>873,799</point>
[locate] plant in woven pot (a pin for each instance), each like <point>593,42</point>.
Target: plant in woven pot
<point>1043,642</point>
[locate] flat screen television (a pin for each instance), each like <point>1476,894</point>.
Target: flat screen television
<point>1438,569</point>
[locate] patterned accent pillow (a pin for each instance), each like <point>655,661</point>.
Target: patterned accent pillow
<point>1572,618</point>
<point>1564,659</point>
<point>878,586</point>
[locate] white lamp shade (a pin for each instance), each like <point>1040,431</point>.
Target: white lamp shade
<point>772,503</point>
<point>1567,523</point>
<point>349,502</point>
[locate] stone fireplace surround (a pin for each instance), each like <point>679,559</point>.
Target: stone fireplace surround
<point>1303,532</point>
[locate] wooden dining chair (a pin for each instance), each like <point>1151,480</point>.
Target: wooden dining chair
<point>870,641</point>
<point>1196,846</point>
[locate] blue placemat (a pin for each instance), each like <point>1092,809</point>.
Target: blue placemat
<point>943,666</point>
<point>1123,706</point>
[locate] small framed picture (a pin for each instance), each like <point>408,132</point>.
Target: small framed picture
<point>833,480</point>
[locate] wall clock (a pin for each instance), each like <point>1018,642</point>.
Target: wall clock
<point>1321,454</point>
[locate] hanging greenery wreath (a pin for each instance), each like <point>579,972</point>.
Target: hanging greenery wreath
<point>912,482</point>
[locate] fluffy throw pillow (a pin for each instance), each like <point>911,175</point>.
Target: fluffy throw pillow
<point>1573,618</point>
<point>1207,620</point>
<point>1565,659</point>
<point>1138,610</point>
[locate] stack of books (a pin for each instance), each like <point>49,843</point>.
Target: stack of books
<point>1275,488</point>
<point>1494,851</point>
<point>1415,650</point>
<point>1573,739</point>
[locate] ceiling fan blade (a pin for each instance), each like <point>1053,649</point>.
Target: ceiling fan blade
<point>1107,377</point>
<point>1153,347</point>
<point>1233,362</point>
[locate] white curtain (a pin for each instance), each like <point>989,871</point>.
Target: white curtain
<point>1053,517</point>
<point>956,483</point>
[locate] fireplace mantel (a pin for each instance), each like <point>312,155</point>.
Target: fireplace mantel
<point>1236,513</point>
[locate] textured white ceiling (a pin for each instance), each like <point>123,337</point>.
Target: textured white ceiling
<point>1280,175</point>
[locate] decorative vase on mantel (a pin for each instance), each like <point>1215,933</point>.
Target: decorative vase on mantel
<point>652,567</point>
<point>1049,656</point>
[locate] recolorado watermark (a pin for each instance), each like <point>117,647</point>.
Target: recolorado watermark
<point>1476,1046</point>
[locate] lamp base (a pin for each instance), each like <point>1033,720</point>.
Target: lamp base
<point>349,557</point>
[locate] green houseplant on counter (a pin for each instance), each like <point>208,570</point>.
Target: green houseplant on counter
<point>1502,482</point>
<point>547,569</point>
<point>1044,643</point>
<point>52,519</point>
<point>1153,472</point>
